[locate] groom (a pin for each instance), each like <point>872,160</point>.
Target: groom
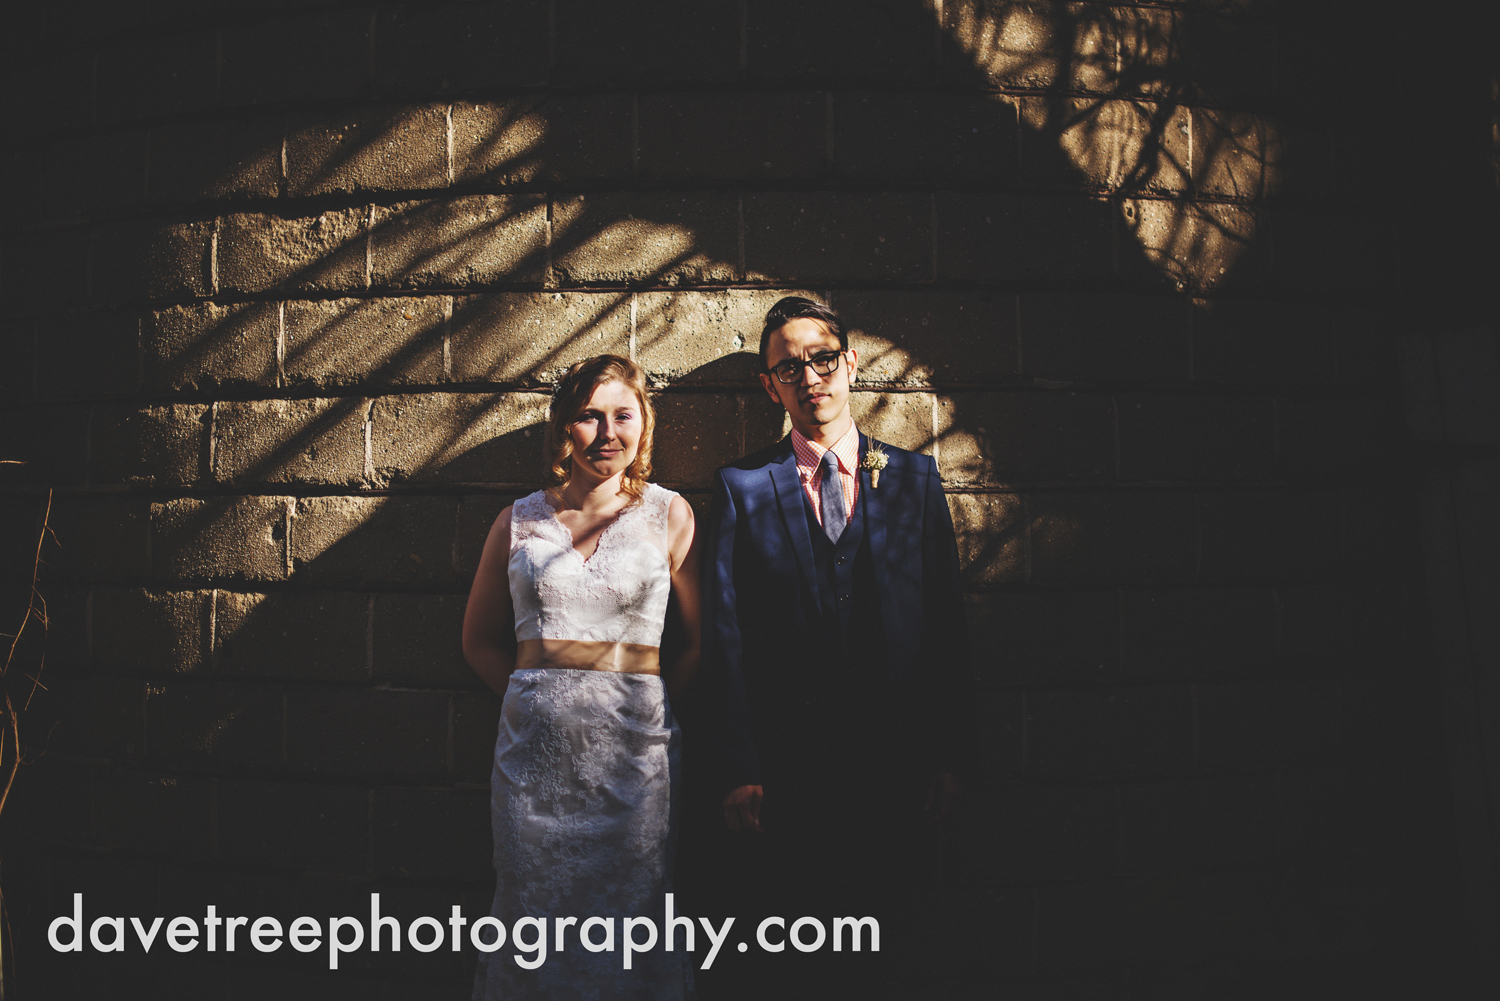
<point>835,651</point>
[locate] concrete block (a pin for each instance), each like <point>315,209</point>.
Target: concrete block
<point>1006,237</point>
<point>655,238</point>
<point>834,236</point>
<point>900,419</point>
<point>432,834</point>
<point>1173,243</point>
<point>1269,536</point>
<point>660,42</point>
<point>100,537</point>
<point>146,631</point>
<point>1232,58</point>
<point>399,148</point>
<point>333,731</point>
<point>89,716</point>
<point>205,347</point>
<point>476,515</point>
<point>559,137</point>
<point>195,162</point>
<point>50,264</point>
<point>732,136</point>
<point>1196,437</point>
<point>386,540</point>
<point>347,342</point>
<point>419,641</point>
<point>263,253</point>
<point>476,723</point>
<point>69,633</point>
<point>427,49</point>
<point>1104,338</point>
<point>219,538</point>
<point>156,76</point>
<point>1237,154</point>
<point>1212,822</point>
<point>295,826</point>
<point>299,635</point>
<point>1044,637</point>
<point>994,438</point>
<point>1364,628</point>
<point>18,349</point>
<point>94,354</point>
<point>1324,439</point>
<point>1104,145</point>
<point>74,177</point>
<point>949,137</point>
<point>460,242</point>
<point>149,812</point>
<point>1246,341</point>
<point>924,338</point>
<point>1265,725</point>
<point>1213,632</point>
<point>888,43</point>
<point>1001,742</point>
<point>51,443</point>
<point>1109,731</point>
<point>1127,537</point>
<point>131,261</point>
<point>148,446</point>
<point>451,437</point>
<point>991,537</point>
<point>290,441</point>
<point>301,56</point>
<point>696,433</point>
<point>703,338</point>
<point>1086,930</point>
<point>531,338</point>
<point>213,728</point>
<point>1051,833</point>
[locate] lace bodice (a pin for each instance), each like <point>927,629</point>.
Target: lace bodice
<point>618,595</point>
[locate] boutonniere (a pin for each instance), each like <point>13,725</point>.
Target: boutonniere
<point>874,460</point>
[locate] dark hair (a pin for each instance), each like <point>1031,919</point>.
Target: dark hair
<point>794,307</point>
<point>573,393</point>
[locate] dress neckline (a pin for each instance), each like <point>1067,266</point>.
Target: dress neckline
<point>603,532</point>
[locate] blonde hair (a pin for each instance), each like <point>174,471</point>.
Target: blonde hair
<point>572,394</point>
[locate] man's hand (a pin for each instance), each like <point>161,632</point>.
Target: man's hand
<point>943,791</point>
<point>742,808</point>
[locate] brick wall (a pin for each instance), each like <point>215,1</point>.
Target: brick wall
<point>288,286</point>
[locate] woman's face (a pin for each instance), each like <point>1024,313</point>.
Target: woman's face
<point>607,432</point>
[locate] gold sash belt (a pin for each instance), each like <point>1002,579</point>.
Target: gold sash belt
<point>589,655</point>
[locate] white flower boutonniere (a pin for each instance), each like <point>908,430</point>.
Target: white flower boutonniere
<point>874,460</point>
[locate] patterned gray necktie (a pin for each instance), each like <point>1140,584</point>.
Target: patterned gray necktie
<point>831,493</point>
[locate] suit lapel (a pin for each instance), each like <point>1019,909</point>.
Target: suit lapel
<point>875,514</point>
<point>789,499</point>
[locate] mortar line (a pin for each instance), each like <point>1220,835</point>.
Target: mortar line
<point>828,131</point>
<point>458,520</point>
<point>1114,407</point>
<point>218,64</point>
<point>370,247</point>
<point>369,470</point>
<point>551,37</point>
<point>370,45</point>
<point>549,280</point>
<point>281,344</point>
<point>632,325</point>
<point>1020,358</point>
<point>213,629</point>
<point>288,517</point>
<point>88,445</point>
<point>88,624</point>
<point>452,731</point>
<point>936,441</point>
<point>140,355</point>
<point>449,123</point>
<point>937,33</point>
<point>635,133</point>
<point>740,205</point>
<point>213,257</point>
<point>370,639</point>
<point>448,338</point>
<point>212,457</point>
<point>284,182</point>
<point>744,35</point>
<point>934,224</point>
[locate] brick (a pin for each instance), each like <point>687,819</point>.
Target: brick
<point>994,438</point>
<point>1193,245</point>
<point>51,442</point>
<point>765,421</point>
<point>380,149</point>
<point>1247,341</point>
<point>923,338</point>
<point>47,265</point>
<point>94,717</point>
<point>157,76</point>
<point>332,731</point>
<point>296,57</point>
<point>655,238</point>
<point>1336,818</point>
<point>1282,724</point>
<point>1336,438</point>
<point>557,137</point>
<point>1191,632</point>
<point>830,236</point>
<point>1002,735</point>
<point>705,338</point>
<point>418,641</point>
<point>1280,536</point>
<point>530,338</point>
<point>349,342</point>
<point>150,260</point>
<point>732,136</point>
<point>432,834</point>
<point>1107,925</point>
<point>220,538</point>
<point>290,441</point>
<point>1392,723</point>
<point>1112,536</point>
<point>207,347</point>
<point>149,446</point>
<point>664,41</point>
<point>1023,236</point>
<point>900,419</point>
<point>476,515</point>
<point>100,537</point>
<point>1109,731</point>
<point>53,91</point>
<point>187,890</point>
<point>1236,154</point>
<point>52,801</point>
<point>696,433</point>
<point>88,354</point>
<point>73,177</point>
<point>264,253</point>
<point>215,161</point>
<point>1215,822</point>
<point>922,137</point>
<point>295,826</point>
<point>885,43</point>
<point>1029,833</point>
<point>68,632</point>
<point>18,349</point>
<point>1231,59</point>
<point>1195,437</point>
<point>991,537</point>
<point>303,635</point>
<point>460,242</point>
<point>149,631</point>
<point>426,49</point>
<point>1365,628</point>
<point>451,437</point>
<point>476,723</point>
<point>1102,145</point>
<point>389,540</point>
<point>1104,338</point>
<point>1047,637</point>
<point>166,814</point>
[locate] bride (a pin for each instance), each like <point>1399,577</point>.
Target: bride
<point>565,620</point>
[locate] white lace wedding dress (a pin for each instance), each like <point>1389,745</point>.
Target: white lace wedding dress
<point>585,762</point>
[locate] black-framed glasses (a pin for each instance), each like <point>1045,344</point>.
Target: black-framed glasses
<point>789,372</point>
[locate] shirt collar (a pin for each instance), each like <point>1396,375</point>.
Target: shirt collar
<point>810,453</point>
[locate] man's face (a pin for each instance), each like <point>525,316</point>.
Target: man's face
<point>812,400</point>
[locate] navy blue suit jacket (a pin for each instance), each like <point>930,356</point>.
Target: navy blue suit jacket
<point>761,607</point>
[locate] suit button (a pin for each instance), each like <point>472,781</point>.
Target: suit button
<point>841,561</point>
<point>843,597</point>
